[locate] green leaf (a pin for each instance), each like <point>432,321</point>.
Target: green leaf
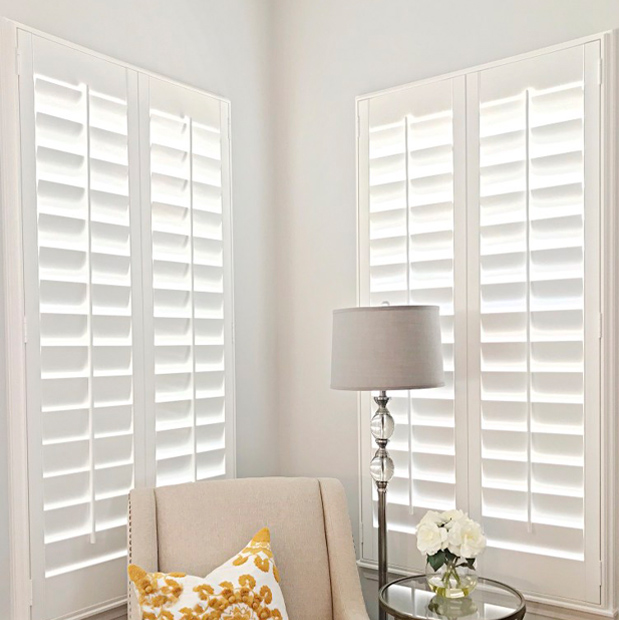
<point>470,562</point>
<point>436,561</point>
<point>450,557</point>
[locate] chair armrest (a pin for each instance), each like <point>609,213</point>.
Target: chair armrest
<point>347,599</point>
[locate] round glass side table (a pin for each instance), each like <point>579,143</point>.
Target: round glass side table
<point>410,598</point>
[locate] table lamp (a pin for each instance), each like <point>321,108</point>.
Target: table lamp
<point>386,348</point>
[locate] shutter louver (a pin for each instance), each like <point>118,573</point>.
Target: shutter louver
<point>188,284</point>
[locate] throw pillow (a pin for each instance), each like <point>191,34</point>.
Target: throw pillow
<point>246,587</point>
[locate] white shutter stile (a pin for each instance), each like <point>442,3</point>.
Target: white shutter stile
<point>473,299</point>
<point>140,371</point>
<point>146,229</point>
<point>31,278</point>
<point>228,280</point>
<point>369,549</point>
<point>593,307</point>
<point>461,270</point>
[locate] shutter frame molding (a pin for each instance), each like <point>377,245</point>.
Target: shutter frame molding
<point>597,590</point>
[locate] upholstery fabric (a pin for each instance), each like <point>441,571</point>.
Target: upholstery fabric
<point>347,598</point>
<point>198,526</point>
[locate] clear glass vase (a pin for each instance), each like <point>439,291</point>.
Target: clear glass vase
<point>453,608</point>
<point>454,579</point>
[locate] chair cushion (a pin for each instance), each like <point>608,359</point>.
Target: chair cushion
<point>201,525</point>
<point>244,587</point>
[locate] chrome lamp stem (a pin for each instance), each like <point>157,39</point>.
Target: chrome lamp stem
<point>381,471</point>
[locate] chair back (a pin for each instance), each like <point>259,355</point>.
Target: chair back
<point>194,528</point>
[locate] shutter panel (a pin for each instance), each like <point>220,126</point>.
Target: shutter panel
<point>188,192</point>
<point>81,308</point>
<point>537,308</point>
<point>410,260</point>
<point>507,243</point>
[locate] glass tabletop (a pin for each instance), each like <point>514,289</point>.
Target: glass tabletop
<point>410,598</point>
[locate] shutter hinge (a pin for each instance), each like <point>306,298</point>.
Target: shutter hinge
<point>25,330</point>
<point>600,326</point>
<point>600,573</point>
<point>18,61</point>
<point>31,592</point>
<point>599,70</point>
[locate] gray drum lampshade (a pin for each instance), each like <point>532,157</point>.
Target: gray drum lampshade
<point>387,348</point>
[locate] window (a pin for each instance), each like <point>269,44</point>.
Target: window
<point>480,193</point>
<point>126,223</point>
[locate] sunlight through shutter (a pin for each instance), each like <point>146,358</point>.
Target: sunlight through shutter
<point>189,305</point>
<point>81,319</point>
<point>410,253</point>
<point>506,242</point>
<point>537,308</point>
<point>127,268</point>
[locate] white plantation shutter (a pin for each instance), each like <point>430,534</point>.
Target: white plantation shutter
<point>507,244</point>
<point>82,310</point>
<point>126,260</point>
<point>408,249</point>
<point>536,349</point>
<point>189,302</point>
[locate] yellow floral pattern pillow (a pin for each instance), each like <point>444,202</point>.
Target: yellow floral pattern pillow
<point>244,588</point>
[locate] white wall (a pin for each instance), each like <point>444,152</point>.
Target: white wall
<point>327,52</point>
<point>222,46</point>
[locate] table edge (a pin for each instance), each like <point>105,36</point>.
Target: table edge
<point>518,614</point>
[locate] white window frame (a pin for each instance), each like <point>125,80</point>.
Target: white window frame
<point>608,443</point>
<point>15,328</point>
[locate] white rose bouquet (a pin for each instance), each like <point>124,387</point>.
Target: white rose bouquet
<point>452,539</point>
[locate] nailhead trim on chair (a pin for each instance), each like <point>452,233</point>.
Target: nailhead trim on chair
<point>129,557</point>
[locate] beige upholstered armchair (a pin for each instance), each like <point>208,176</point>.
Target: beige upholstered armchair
<point>194,528</point>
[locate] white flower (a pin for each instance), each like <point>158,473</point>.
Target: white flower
<point>450,516</point>
<point>433,517</point>
<point>431,537</point>
<point>465,538</point>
